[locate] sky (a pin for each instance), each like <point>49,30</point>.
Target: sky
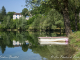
<point>13,5</point>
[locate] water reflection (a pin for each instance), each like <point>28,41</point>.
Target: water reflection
<point>18,43</point>
<point>53,43</point>
<point>26,46</point>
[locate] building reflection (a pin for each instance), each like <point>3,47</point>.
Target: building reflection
<point>17,43</point>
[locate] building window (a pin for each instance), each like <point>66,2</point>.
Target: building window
<point>19,15</point>
<point>16,15</point>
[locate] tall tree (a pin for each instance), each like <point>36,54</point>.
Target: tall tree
<point>21,23</point>
<point>0,16</point>
<point>25,47</point>
<point>10,14</point>
<point>74,8</point>
<point>25,12</point>
<point>62,7</point>
<point>6,22</point>
<point>3,12</point>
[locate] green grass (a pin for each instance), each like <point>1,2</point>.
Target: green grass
<point>74,39</point>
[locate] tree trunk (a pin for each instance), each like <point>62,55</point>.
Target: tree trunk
<point>66,18</point>
<point>79,21</point>
<point>60,30</point>
<point>67,23</point>
<point>76,21</point>
<point>79,17</point>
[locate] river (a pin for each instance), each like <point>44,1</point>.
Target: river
<point>25,46</point>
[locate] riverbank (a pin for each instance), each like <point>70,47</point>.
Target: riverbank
<point>74,39</point>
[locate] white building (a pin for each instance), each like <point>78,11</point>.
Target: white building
<point>17,15</point>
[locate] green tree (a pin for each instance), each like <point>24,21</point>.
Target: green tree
<point>74,9</point>
<point>54,20</point>
<point>10,14</point>
<point>25,12</point>
<point>37,22</point>
<point>3,11</point>
<point>42,9</point>
<point>6,22</point>
<point>25,47</point>
<point>0,17</point>
<point>21,23</point>
<point>62,7</point>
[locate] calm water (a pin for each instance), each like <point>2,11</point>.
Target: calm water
<point>25,46</point>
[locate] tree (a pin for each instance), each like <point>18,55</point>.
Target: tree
<point>21,23</point>
<point>25,47</point>
<point>3,12</point>
<point>6,22</point>
<point>25,12</point>
<point>74,11</point>
<point>62,7</point>
<point>42,9</point>
<point>53,20</point>
<point>36,22</point>
<point>10,14</point>
<point>0,16</point>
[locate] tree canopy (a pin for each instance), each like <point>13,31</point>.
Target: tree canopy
<point>62,6</point>
<point>10,14</point>
<point>25,12</point>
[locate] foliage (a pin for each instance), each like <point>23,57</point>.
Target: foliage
<point>21,23</point>
<point>12,24</point>
<point>8,37</point>
<point>25,12</point>
<point>15,24</point>
<point>10,14</point>
<point>74,39</point>
<point>54,52</point>
<point>3,11</point>
<point>51,21</point>
<point>42,9</point>
<point>6,22</point>
<point>31,20</point>
<point>0,17</point>
<point>62,6</point>
<point>36,22</point>
<point>25,47</point>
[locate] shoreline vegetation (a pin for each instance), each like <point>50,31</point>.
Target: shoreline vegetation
<point>74,41</point>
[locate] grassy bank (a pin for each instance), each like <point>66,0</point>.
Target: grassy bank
<point>74,39</point>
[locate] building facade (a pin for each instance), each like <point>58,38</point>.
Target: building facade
<point>17,15</point>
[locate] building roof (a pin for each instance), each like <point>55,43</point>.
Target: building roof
<point>17,13</point>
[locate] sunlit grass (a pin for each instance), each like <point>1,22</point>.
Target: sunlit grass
<point>74,39</point>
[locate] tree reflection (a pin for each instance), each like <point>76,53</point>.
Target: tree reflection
<point>54,51</point>
<point>25,47</point>
<point>21,37</point>
<point>44,51</point>
<point>3,46</point>
<point>8,37</point>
